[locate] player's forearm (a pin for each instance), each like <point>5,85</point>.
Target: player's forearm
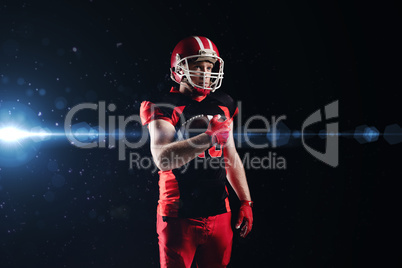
<point>179,153</point>
<point>237,178</point>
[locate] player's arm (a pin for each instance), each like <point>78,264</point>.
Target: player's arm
<point>235,170</point>
<point>169,154</point>
<point>237,179</point>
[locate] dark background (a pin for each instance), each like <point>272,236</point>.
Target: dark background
<point>281,58</point>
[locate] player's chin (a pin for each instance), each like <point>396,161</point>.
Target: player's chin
<point>201,85</point>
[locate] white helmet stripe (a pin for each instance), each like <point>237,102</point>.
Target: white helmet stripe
<point>199,42</point>
<point>210,44</point>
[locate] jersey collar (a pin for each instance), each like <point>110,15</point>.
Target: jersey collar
<point>198,98</point>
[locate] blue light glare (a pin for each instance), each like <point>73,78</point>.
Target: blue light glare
<point>60,103</point>
<point>83,132</point>
<point>296,134</point>
<point>29,92</point>
<point>12,134</point>
<point>16,148</point>
<point>4,80</point>
<point>393,134</point>
<point>20,81</point>
<point>21,135</point>
<point>42,92</point>
<point>371,134</point>
<point>281,136</point>
<point>365,134</point>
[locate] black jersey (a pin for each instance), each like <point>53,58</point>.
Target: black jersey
<point>198,188</point>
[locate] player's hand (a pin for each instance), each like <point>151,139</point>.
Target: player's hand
<point>218,130</point>
<point>245,218</point>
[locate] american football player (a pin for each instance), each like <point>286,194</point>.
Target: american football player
<point>193,214</point>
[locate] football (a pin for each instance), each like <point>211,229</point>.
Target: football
<point>194,126</point>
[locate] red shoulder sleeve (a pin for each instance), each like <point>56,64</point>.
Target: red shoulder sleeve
<point>150,112</point>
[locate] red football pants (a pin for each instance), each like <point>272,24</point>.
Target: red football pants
<point>207,241</point>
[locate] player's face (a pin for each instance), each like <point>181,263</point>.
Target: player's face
<point>201,66</point>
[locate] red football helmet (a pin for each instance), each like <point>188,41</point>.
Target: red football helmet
<point>196,48</point>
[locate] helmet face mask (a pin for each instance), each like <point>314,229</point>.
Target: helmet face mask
<point>214,78</point>
<point>193,50</point>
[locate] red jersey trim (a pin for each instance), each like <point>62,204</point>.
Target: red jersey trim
<point>176,114</point>
<point>227,200</point>
<point>199,99</point>
<point>174,90</point>
<point>227,113</point>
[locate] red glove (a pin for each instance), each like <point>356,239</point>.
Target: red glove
<point>218,130</point>
<point>245,218</point>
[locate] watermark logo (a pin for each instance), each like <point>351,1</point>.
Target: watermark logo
<point>111,132</point>
<point>268,162</point>
<point>331,154</point>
